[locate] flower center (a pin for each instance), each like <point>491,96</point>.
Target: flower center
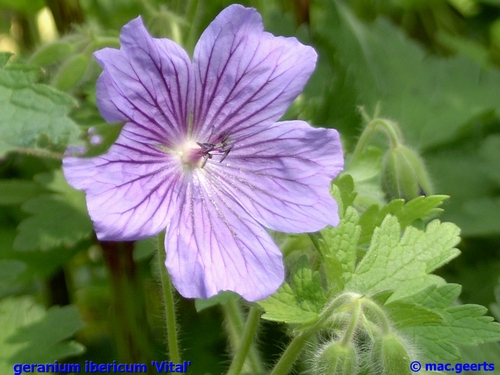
<point>197,154</point>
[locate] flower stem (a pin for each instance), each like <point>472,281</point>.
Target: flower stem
<point>234,320</point>
<point>246,341</point>
<point>379,314</point>
<point>168,299</point>
<point>291,353</point>
<point>372,127</point>
<point>353,323</point>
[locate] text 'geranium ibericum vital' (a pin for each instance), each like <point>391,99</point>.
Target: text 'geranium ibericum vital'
<point>202,156</point>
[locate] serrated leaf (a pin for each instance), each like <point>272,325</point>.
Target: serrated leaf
<point>436,296</point>
<point>39,264</point>
<point>57,219</point>
<point>18,191</point>
<point>283,306</point>
<point>403,262</point>
<point>300,302</point>
<point>307,286</point>
<point>459,325</point>
<point>343,191</point>
<point>15,313</point>
<point>341,242</point>
<point>463,325</point>
<point>44,340</point>
<point>32,111</point>
<point>404,314</point>
<point>418,208</point>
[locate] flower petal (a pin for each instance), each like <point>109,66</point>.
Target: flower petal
<point>281,175</point>
<point>147,81</point>
<point>245,76</point>
<point>131,190</point>
<point>213,245</point>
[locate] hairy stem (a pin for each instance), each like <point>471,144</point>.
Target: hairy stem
<point>234,321</point>
<point>246,342</point>
<point>169,303</point>
<point>291,353</point>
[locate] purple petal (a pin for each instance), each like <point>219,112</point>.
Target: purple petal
<point>245,76</point>
<point>214,245</point>
<point>281,176</point>
<point>148,82</point>
<point>131,190</point>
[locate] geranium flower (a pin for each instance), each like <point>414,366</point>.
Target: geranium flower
<point>202,156</point>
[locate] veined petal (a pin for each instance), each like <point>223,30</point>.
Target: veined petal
<point>131,191</point>
<point>212,245</point>
<point>148,82</point>
<point>245,76</point>
<point>281,175</point>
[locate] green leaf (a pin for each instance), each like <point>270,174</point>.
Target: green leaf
<point>220,298</point>
<point>15,313</point>
<point>39,264</point>
<point>403,262</point>
<point>56,219</point>
<point>436,296</point>
<point>298,302</point>
<point>32,113</point>
<point>408,314</point>
<point>418,208</point>
<point>45,340</point>
<point>18,191</point>
<point>458,325</point>
<point>343,191</point>
<point>307,286</point>
<point>391,69</point>
<point>341,243</point>
<point>463,325</point>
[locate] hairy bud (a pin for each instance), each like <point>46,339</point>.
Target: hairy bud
<point>51,53</point>
<point>335,358</point>
<point>404,174</point>
<point>71,72</point>
<point>389,356</point>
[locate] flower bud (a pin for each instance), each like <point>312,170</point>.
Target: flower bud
<point>51,53</point>
<point>389,356</point>
<point>71,72</point>
<point>404,174</point>
<point>335,358</point>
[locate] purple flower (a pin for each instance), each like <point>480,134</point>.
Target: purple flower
<point>202,156</point>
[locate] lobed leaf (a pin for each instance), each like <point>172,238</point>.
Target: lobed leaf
<point>56,219</point>
<point>403,262</point>
<point>32,113</point>
<point>45,339</point>
<point>298,302</point>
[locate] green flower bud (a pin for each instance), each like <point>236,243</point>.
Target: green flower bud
<point>71,72</point>
<point>51,53</point>
<point>335,358</point>
<point>404,174</point>
<point>389,356</point>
